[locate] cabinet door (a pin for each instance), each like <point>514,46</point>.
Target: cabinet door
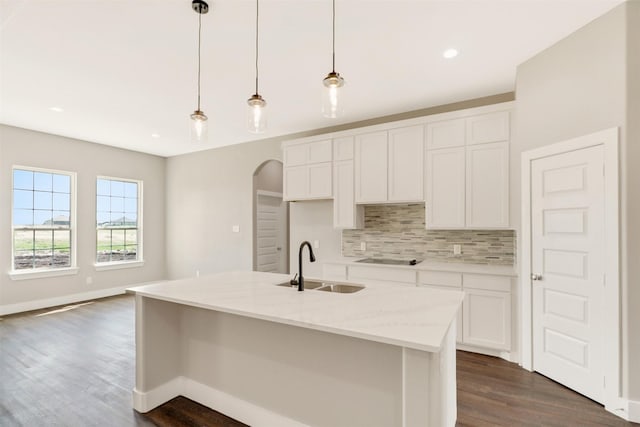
<point>343,148</point>
<point>319,179</point>
<point>446,134</point>
<point>492,127</point>
<point>371,167</point>
<point>296,155</point>
<point>487,203</point>
<point>319,151</point>
<point>345,212</point>
<point>445,188</point>
<point>459,319</point>
<point>295,183</point>
<point>406,164</point>
<point>487,319</point>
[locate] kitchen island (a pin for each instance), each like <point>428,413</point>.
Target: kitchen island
<point>268,355</point>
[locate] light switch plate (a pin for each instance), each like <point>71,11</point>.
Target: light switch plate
<point>316,244</point>
<point>235,228</point>
<point>363,246</point>
<point>457,249</point>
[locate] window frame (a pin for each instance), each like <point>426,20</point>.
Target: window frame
<point>40,272</point>
<point>115,265</point>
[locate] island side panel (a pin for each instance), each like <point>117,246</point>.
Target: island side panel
<point>429,385</point>
<point>158,369</point>
<point>313,377</point>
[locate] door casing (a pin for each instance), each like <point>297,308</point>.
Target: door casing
<point>612,369</point>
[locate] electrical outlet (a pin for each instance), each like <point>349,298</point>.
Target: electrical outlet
<point>235,228</point>
<point>363,246</point>
<point>457,249</point>
<point>316,244</point>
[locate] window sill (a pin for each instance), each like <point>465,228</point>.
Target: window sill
<point>38,274</point>
<point>103,266</point>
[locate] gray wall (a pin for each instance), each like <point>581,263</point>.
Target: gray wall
<point>209,192</point>
<point>576,87</point>
<point>28,148</point>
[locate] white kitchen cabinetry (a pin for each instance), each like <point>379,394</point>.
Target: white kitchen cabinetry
<point>485,318</point>
<point>346,214</point>
<point>308,171</point>
<point>389,165</point>
<point>382,275</point>
<point>468,172</point>
<point>406,164</point>
<point>446,188</point>
<point>371,167</point>
<point>487,184</point>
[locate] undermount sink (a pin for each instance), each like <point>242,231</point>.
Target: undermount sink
<point>338,288</point>
<point>341,289</point>
<point>308,284</point>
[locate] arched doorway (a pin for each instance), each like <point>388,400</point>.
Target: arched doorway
<point>270,220</point>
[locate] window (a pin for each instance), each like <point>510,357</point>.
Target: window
<point>43,219</point>
<point>118,230</point>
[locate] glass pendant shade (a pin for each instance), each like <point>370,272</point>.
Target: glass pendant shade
<point>256,114</point>
<point>332,104</point>
<point>198,126</point>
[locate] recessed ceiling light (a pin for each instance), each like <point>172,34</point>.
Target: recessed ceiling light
<point>56,109</point>
<point>155,135</point>
<point>450,53</point>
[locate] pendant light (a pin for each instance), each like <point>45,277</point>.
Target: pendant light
<point>256,112</point>
<point>331,107</point>
<point>198,118</point>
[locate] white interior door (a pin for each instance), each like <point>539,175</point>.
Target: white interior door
<point>567,256</point>
<point>271,234</point>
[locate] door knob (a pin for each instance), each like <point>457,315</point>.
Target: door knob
<point>278,248</point>
<point>536,277</point>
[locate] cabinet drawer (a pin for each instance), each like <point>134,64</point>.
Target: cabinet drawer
<point>487,282</point>
<point>334,271</point>
<point>382,274</point>
<point>440,278</point>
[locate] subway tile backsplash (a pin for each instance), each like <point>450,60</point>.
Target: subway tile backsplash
<point>398,231</point>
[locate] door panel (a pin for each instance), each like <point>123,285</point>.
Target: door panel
<point>271,234</point>
<point>567,202</point>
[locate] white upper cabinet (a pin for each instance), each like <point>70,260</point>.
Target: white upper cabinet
<point>446,134</point>
<point>345,212</point>
<point>467,178</point>
<point>446,188</point>
<point>487,195</point>
<point>484,128</point>
<point>371,167</point>
<point>406,164</point>
<point>308,171</point>
<point>390,165</point>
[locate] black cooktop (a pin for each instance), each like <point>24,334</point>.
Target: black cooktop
<point>389,261</point>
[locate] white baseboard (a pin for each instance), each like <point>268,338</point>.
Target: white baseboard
<point>146,401</point>
<point>508,356</point>
<point>235,407</point>
<point>62,300</point>
<point>227,404</point>
<point>634,411</point>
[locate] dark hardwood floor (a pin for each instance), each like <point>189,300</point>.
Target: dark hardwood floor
<point>76,368</point>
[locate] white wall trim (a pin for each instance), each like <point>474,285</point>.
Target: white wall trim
<point>609,140</point>
<point>505,355</point>
<point>211,397</point>
<point>633,411</point>
<point>118,265</point>
<point>38,273</point>
<point>65,299</point>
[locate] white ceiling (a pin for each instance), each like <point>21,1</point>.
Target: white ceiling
<point>123,70</point>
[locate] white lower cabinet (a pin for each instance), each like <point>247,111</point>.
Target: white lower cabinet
<point>459,332</point>
<point>382,275</point>
<point>487,319</point>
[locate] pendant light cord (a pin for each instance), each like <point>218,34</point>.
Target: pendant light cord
<point>199,37</point>
<point>333,49</point>
<point>257,23</point>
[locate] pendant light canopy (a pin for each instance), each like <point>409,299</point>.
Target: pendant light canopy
<point>256,112</point>
<point>199,120</point>
<point>331,107</point>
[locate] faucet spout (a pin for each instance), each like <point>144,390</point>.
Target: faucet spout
<point>312,258</point>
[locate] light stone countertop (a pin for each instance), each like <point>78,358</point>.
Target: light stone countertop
<point>457,267</point>
<point>410,317</point>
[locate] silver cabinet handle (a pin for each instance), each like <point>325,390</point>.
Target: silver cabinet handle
<point>536,277</point>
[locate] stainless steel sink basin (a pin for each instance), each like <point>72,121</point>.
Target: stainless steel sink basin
<point>338,288</point>
<point>341,288</point>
